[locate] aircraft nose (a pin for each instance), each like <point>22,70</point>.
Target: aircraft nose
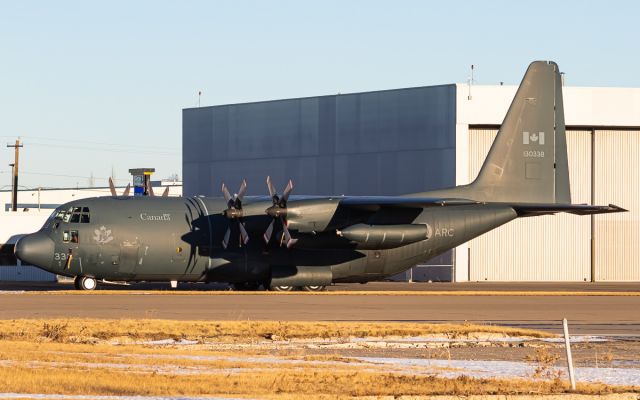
<point>35,249</point>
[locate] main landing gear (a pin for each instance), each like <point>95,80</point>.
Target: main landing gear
<point>253,286</point>
<point>297,288</point>
<point>85,282</point>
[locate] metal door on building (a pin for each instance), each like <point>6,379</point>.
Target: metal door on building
<point>617,181</point>
<point>547,248</point>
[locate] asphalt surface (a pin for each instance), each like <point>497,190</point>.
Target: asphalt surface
<point>610,315</point>
<point>371,286</point>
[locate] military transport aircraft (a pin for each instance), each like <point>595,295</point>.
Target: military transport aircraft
<point>288,242</point>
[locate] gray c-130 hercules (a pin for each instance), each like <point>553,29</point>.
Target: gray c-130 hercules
<point>287,242</point>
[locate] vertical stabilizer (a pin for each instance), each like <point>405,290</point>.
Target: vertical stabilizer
<point>527,162</point>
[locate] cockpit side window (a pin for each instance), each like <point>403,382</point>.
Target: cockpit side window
<point>67,215</point>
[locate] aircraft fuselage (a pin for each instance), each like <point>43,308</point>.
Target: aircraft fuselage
<point>181,239</point>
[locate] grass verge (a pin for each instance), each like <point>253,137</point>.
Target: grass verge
<point>310,383</point>
<point>85,330</point>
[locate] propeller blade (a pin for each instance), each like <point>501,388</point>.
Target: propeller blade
<point>290,241</point>
<point>126,190</point>
<point>272,190</point>
<point>268,232</point>
<point>112,188</point>
<point>243,233</point>
<point>287,192</point>
<point>225,241</point>
<point>225,193</point>
<point>166,192</point>
<point>243,190</point>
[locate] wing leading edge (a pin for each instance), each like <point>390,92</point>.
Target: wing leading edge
<point>375,203</point>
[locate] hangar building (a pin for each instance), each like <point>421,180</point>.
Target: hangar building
<point>411,140</point>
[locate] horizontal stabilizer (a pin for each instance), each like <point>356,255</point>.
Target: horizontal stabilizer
<point>531,210</point>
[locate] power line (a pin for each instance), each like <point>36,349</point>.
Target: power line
<point>128,145</point>
<point>102,149</point>
<point>64,175</point>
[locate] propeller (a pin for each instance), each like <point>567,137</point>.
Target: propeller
<point>112,188</point>
<point>164,194</point>
<point>279,212</point>
<point>234,211</point>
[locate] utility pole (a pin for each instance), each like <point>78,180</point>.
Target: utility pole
<point>14,200</point>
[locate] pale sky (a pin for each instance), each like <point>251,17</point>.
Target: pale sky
<point>95,86</point>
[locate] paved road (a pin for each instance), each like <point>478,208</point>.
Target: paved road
<point>371,286</point>
<point>614,315</point>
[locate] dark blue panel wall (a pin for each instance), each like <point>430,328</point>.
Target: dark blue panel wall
<point>375,143</point>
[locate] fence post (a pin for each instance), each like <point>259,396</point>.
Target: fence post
<point>567,345</point>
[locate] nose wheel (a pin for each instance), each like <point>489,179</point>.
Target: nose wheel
<point>85,282</point>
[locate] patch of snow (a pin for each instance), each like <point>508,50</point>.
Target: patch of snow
<point>167,342</point>
<point>509,369</point>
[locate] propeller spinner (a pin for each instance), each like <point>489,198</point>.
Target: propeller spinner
<point>279,212</point>
<point>234,211</point>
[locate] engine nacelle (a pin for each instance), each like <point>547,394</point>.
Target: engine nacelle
<point>311,215</point>
<point>376,237</point>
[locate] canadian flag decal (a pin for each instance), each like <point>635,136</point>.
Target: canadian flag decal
<point>535,137</point>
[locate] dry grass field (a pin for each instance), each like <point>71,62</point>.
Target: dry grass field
<point>84,330</point>
<point>119,357</point>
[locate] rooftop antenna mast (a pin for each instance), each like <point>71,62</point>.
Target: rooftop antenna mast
<point>199,95</point>
<point>14,186</point>
<point>470,81</point>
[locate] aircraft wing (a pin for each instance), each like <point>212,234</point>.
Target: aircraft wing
<point>375,203</point>
<point>530,210</point>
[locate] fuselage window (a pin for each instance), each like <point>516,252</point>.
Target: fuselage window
<point>70,236</point>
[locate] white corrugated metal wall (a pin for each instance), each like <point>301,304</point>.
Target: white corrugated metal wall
<point>547,248</point>
<point>617,181</point>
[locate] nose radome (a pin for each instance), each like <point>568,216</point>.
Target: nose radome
<point>35,249</point>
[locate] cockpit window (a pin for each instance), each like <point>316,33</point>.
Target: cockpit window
<point>74,215</point>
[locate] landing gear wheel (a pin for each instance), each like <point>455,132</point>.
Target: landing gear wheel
<point>246,286</point>
<point>86,282</point>
<point>314,288</point>
<point>281,288</point>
